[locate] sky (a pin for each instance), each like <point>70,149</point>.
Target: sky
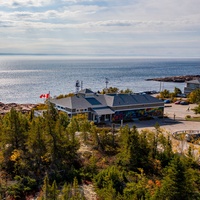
<point>119,28</point>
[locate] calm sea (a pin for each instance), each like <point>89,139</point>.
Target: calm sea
<point>24,79</point>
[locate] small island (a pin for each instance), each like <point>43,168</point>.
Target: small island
<point>179,79</point>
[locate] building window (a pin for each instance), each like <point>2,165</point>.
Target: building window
<point>107,116</point>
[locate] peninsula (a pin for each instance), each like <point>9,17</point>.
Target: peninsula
<point>180,79</point>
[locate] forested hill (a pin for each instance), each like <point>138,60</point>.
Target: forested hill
<point>41,157</point>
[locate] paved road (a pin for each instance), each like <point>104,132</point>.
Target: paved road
<point>176,119</point>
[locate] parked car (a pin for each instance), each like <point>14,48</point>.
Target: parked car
<point>184,103</point>
<point>177,102</point>
<point>167,101</point>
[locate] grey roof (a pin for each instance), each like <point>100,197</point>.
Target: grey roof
<point>86,91</point>
<point>74,102</point>
<point>64,102</point>
<point>195,81</point>
<point>80,101</point>
<point>130,99</point>
<point>103,111</point>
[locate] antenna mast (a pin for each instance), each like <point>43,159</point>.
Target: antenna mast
<point>106,81</point>
<point>81,85</point>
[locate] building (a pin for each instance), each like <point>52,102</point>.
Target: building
<point>111,107</point>
<point>191,86</point>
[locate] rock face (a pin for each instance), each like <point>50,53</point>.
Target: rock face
<point>4,108</point>
<point>180,79</point>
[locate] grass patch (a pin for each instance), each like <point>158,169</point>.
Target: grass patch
<point>196,119</point>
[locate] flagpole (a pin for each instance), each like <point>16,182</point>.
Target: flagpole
<point>48,102</point>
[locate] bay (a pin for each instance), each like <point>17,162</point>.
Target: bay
<point>24,78</point>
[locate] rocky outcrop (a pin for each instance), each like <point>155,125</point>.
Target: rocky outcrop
<point>179,79</point>
<point>4,108</point>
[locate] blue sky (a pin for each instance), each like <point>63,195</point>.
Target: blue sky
<point>125,28</point>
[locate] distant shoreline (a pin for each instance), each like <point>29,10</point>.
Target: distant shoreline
<point>179,79</point>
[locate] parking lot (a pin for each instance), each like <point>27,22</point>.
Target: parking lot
<point>174,120</point>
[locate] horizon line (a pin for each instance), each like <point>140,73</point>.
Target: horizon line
<point>96,56</point>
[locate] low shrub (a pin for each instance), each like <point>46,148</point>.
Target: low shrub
<point>188,116</point>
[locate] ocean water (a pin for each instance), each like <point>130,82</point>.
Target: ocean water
<point>24,79</point>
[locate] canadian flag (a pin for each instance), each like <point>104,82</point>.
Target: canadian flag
<point>45,96</point>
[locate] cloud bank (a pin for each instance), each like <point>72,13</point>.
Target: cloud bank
<point>123,28</point>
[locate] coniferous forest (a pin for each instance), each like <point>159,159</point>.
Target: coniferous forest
<point>43,156</point>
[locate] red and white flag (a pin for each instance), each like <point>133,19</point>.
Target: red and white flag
<point>46,96</point>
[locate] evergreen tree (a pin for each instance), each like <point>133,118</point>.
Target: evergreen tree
<point>37,147</point>
<point>130,152</point>
<point>76,192</point>
<point>15,127</point>
<point>22,187</point>
<point>177,182</point>
<point>95,136</point>
<point>110,177</point>
<point>64,119</point>
<point>66,192</point>
<point>137,188</point>
<point>109,192</point>
<point>145,151</point>
<point>166,154</point>
<point>54,191</point>
<point>85,128</point>
<point>46,189</point>
<point>14,131</point>
<point>177,91</point>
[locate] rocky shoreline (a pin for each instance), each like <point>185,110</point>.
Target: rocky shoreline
<point>179,79</point>
<point>5,107</point>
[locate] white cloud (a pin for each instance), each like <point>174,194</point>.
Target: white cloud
<point>78,1</point>
<point>24,3</point>
<point>76,17</point>
<point>113,25</point>
<point>76,13</point>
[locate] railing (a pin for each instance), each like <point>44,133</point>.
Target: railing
<point>184,132</point>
